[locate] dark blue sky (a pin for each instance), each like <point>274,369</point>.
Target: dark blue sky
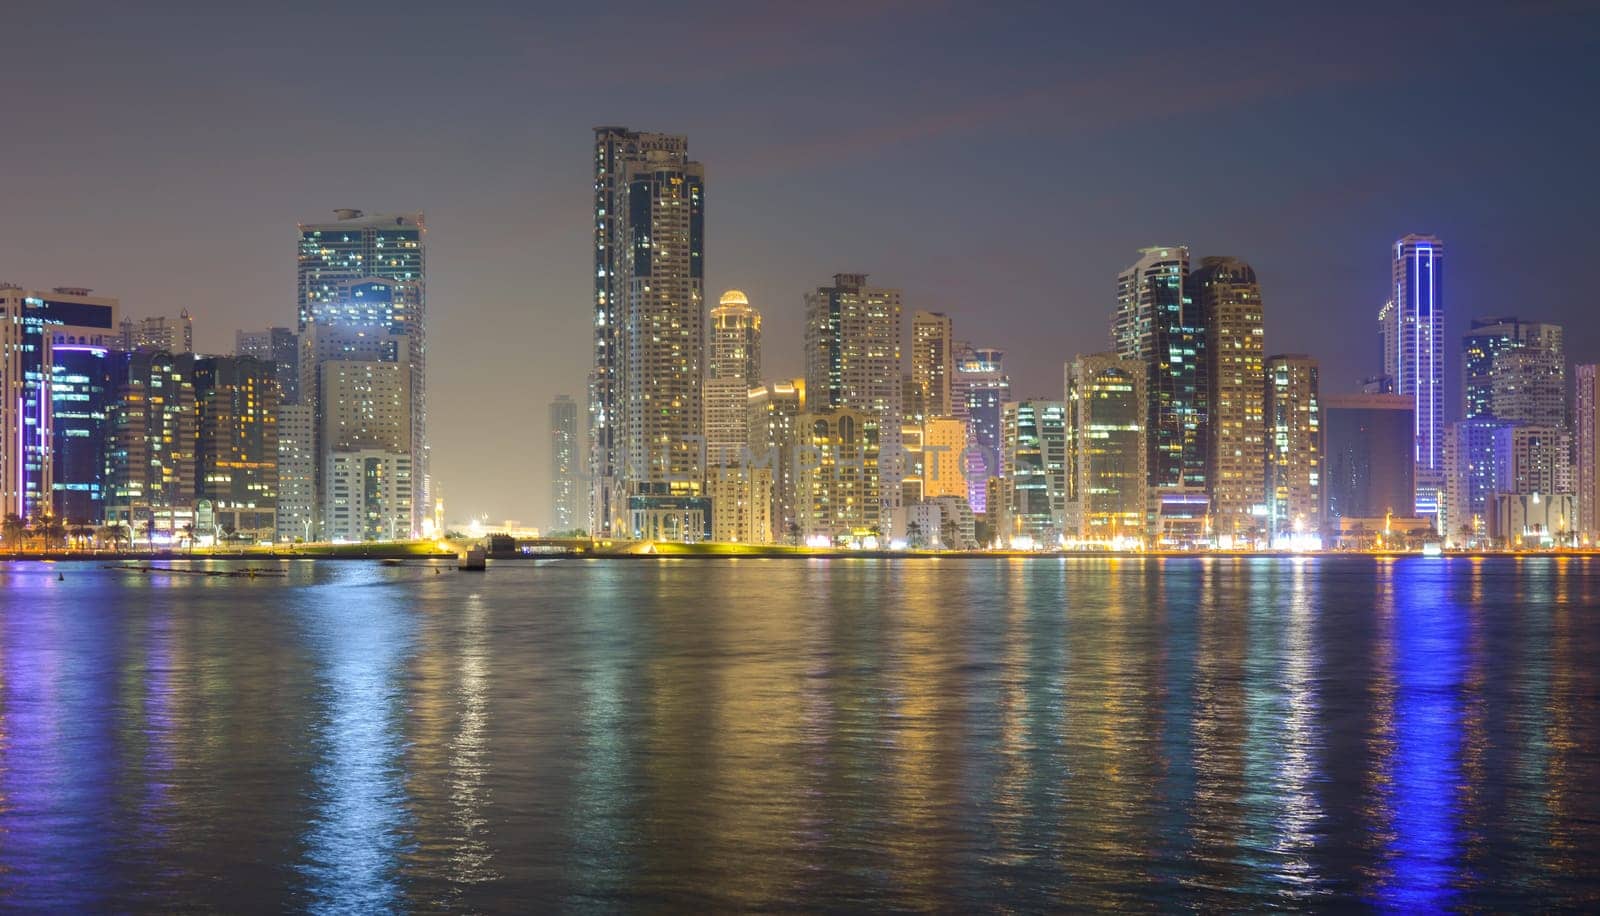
<point>1000,164</point>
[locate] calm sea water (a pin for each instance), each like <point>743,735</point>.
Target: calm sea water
<point>955,734</point>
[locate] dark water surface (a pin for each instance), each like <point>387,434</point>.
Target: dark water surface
<point>956,734</point>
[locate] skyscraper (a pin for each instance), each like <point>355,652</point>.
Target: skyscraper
<point>852,341</point>
<point>32,324</point>
<point>1156,323</point>
<point>734,345</point>
<point>369,321</point>
<point>978,390</point>
<point>81,389</point>
<point>615,152</point>
<point>1294,447</point>
<point>733,366</point>
<point>1106,449</point>
<point>236,450</point>
<point>774,410</point>
<point>150,448</point>
<point>1228,298</point>
<point>837,489</point>
<point>564,509</point>
<point>658,265</point>
<point>1586,407</point>
<point>1035,470</point>
<point>1412,323</point>
<point>933,362</point>
<point>365,438</point>
<point>1514,370</point>
<point>364,269</point>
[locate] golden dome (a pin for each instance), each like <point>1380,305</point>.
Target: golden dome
<point>734,297</point>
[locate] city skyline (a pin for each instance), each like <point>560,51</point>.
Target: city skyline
<point>505,199</point>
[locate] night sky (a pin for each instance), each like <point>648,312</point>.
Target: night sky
<point>1001,165</point>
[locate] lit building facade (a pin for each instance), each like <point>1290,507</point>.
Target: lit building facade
<point>741,503</point>
<point>774,441</point>
<point>279,346</point>
<point>158,333</point>
<point>734,340</point>
<point>1412,325</point>
<point>1228,297</point>
<point>933,363</point>
<point>365,442</point>
<point>660,263</point>
<point>979,388</point>
<point>1035,471</point>
<point>236,450</point>
<point>837,482</point>
<point>944,446</point>
<point>565,512</point>
<point>1106,449</point>
<point>1514,370</point>
<point>1478,461</point>
<point>81,388</point>
<point>33,323</point>
<point>151,472</point>
<point>1156,323</point>
<point>852,341</point>
<point>1586,470</point>
<point>1294,447</point>
<point>297,473</point>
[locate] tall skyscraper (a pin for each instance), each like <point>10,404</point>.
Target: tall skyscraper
<point>1294,447</point>
<point>944,446</point>
<point>1412,323</point>
<point>236,450</point>
<point>297,472</point>
<point>733,366</point>
<point>1035,470</point>
<point>660,221</point>
<point>933,363</point>
<point>361,270</point>
<point>978,390</point>
<point>852,341</point>
<point>618,156</point>
<point>774,413</point>
<point>365,438</point>
<point>1106,449</point>
<point>1586,407</point>
<point>81,389</point>
<point>1156,323</point>
<point>1478,457</point>
<point>1228,297</point>
<point>370,321</point>
<point>1368,456</point>
<point>565,513</point>
<point>1514,370</point>
<point>32,324</point>
<point>150,449</point>
<point>734,347</point>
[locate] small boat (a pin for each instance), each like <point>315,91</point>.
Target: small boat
<point>391,561</point>
<point>473,559</point>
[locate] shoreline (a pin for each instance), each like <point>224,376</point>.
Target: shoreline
<point>752,553</point>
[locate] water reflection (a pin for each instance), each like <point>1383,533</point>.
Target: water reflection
<point>361,640</point>
<point>1221,734</point>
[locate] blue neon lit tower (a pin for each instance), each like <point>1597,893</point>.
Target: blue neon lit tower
<point>1413,355</point>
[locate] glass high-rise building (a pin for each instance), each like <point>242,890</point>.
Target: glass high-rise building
<point>774,439</point>
<point>1228,298</point>
<point>565,514</point>
<point>1035,470</point>
<point>236,452</point>
<point>1412,325</point>
<point>1156,323</point>
<point>1294,446</point>
<point>978,390</point>
<point>81,387</point>
<point>280,346</point>
<point>1106,451</point>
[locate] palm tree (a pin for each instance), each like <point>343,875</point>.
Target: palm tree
<point>15,532</point>
<point>188,536</point>
<point>80,532</point>
<point>55,531</point>
<point>150,532</point>
<point>914,534</point>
